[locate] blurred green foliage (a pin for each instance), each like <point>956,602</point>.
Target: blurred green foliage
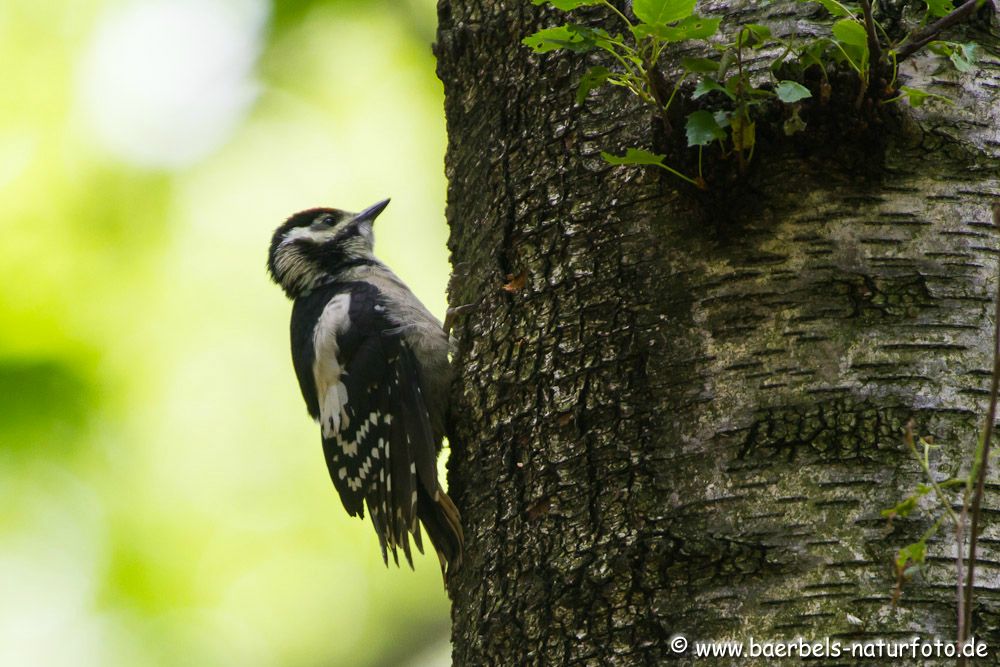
<point>165,496</point>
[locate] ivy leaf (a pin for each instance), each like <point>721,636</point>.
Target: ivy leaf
<point>702,129</point>
<point>790,92</point>
<point>939,7</point>
<point>693,27</point>
<point>633,156</point>
<point>917,97</point>
<point>700,65</point>
<point>660,12</point>
<point>705,86</point>
<point>592,78</point>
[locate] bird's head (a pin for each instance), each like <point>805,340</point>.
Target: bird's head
<point>318,244</point>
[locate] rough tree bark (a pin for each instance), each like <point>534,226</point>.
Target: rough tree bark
<point>688,417</point>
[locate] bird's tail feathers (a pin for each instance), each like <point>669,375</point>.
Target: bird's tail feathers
<point>443,524</point>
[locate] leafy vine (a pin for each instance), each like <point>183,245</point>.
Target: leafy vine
<point>730,101</point>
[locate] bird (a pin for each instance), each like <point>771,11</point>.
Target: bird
<point>372,365</point>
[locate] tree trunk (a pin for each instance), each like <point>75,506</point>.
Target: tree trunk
<point>683,413</point>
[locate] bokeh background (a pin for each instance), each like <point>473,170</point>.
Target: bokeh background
<point>164,497</point>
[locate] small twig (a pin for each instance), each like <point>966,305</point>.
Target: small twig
<point>983,456</point>
<point>874,50</point>
<point>655,83</point>
<point>874,54</point>
<point>924,463</point>
<point>959,548</point>
<point>696,183</point>
<point>922,38</point>
<point>740,159</point>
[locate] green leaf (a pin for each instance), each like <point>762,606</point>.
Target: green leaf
<point>851,32</point>
<point>598,36</point>
<point>702,129</point>
<point>700,65</point>
<point>706,86</point>
<point>964,57</point>
<point>633,156</point>
<point>904,508</point>
<point>941,48</point>
<point>693,27</point>
<point>759,93</point>
<point>939,7</point>
<point>911,553</point>
<point>836,8</point>
<point>725,62</point>
<point>853,38</point>
<point>567,5</point>
<point>917,97</point>
<point>793,125</point>
<point>573,37</point>
<point>660,12</point>
<point>814,53</point>
<point>592,78</point>
<point>790,92</point>
<point>553,39</point>
<point>755,35</point>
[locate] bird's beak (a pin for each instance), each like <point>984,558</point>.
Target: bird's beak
<point>370,213</point>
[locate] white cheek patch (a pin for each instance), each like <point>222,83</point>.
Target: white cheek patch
<point>314,235</point>
<point>326,367</point>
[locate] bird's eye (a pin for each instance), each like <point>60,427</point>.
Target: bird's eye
<point>324,221</point>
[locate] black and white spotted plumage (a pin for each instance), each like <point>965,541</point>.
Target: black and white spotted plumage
<point>373,369</point>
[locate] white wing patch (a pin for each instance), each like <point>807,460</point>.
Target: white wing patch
<point>327,371</point>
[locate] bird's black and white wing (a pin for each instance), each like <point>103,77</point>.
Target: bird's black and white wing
<point>377,438</point>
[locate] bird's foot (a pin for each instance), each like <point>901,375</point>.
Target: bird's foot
<point>453,313</point>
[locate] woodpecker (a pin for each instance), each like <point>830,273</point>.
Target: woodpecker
<point>372,364</point>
